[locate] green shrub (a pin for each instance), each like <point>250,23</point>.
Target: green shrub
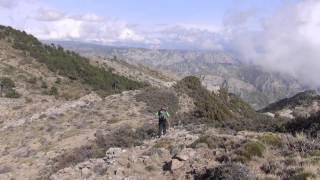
<point>303,176</point>
<point>58,81</point>
<point>53,91</point>
<point>7,83</point>
<point>211,141</point>
<point>12,94</point>
<point>208,105</point>
<point>310,125</point>
<point>44,85</point>
<point>271,139</point>
<point>316,153</point>
<point>252,149</point>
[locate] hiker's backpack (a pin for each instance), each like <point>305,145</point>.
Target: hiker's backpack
<point>162,115</point>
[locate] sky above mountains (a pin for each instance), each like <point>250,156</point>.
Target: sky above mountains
<point>281,35</point>
<point>155,23</point>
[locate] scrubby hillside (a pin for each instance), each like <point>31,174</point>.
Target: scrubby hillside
<point>68,117</point>
<point>195,149</point>
<point>302,104</point>
<point>221,109</point>
<point>65,63</point>
<point>307,125</point>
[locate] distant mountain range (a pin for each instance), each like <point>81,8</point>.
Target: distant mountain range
<point>257,86</point>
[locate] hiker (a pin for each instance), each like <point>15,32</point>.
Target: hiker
<point>115,84</point>
<point>163,116</point>
<point>1,88</point>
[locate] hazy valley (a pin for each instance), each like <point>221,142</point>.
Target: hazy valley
<point>256,85</point>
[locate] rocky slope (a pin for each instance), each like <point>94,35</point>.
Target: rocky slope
<point>254,84</point>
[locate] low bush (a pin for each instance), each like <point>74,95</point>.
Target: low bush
<point>12,94</point>
<point>226,172</point>
<point>7,83</point>
<point>310,126</point>
<point>58,81</point>
<point>212,142</point>
<point>147,131</point>
<point>303,176</point>
<point>271,139</point>
<point>7,88</point>
<point>44,85</point>
<point>252,149</point>
<point>316,153</point>
<point>53,91</point>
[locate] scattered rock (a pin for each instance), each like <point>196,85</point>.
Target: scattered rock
<point>111,154</point>
<point>269,114</point>
<point>86,172</point>
<point>185,154</point>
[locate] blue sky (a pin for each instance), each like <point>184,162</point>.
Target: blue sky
<point>151,12</point>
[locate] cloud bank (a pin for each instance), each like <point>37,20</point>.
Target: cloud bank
<point>288,41</point>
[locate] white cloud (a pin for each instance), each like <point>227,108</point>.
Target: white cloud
<point>189,37</point>
<point>288,42</point>
<point>49,15</point>
<point>86,27</point>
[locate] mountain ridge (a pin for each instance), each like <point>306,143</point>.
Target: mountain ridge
<point>257,86</point>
